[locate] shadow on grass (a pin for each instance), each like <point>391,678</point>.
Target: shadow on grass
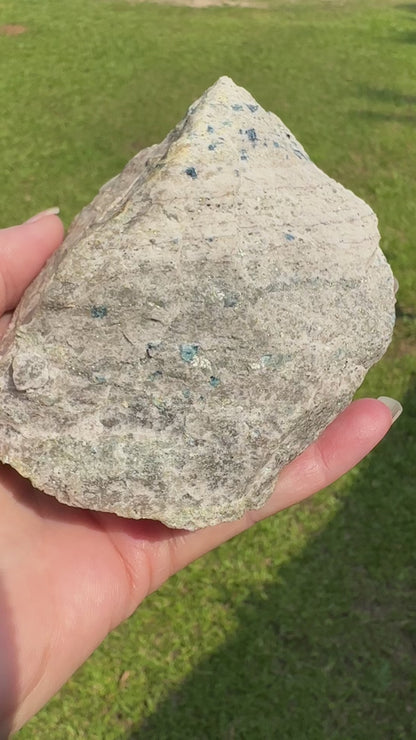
<point>407,37</point>
<point>399,107</point>
<point>330,650</point>
<point>403,118</point>
<point>387,95</point>
<point>407,7</point>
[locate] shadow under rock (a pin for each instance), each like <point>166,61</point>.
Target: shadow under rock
<point>330,650</point>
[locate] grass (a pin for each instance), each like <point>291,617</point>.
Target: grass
<point>304,627</point>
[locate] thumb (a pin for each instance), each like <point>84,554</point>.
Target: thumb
<point>24,250</point>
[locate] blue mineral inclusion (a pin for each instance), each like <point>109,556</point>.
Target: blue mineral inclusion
<point>155,375</point>
<point>230,300</point>
<point>252,108</point>
<point>214,381</point>
<point>99,312</point>
<point>211,147</point>
<point>210,129</point>
<point>266,360</point>
<point>191,171</point>
<point>186,392</point>
<point>237,106</point>
<point>274,361</point>
<point>99,379</point>
<point>188,351</point>
<point>251,134</point>
<point>289,237</point>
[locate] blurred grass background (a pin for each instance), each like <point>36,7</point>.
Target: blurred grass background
<point>305,627</point>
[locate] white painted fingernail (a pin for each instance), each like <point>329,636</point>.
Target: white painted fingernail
<point>49,212</point>
<point>394,406</point>
<point>396,285</point>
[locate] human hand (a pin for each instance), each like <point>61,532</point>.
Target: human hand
<point>68,576</point>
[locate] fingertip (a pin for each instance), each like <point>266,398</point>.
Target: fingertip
<point>393,406</point>
<point>354,433</point>
<point>49,230</point>
<point>371,417</point>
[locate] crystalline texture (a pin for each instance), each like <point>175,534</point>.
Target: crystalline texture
<point>209,313</point>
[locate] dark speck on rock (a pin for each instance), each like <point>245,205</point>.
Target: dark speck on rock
<point>243,154</point>
<point>211,147</point>
<point>191,172</point>
<point>289,237</point>
<point>152,348</point>
<point>252,108</point>
<point>210,129</point>
<point>99,312</point>
<point>299,154</point>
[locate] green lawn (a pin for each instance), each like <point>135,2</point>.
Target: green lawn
<point>305,627</point>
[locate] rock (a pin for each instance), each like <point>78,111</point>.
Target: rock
<point>208,315</point>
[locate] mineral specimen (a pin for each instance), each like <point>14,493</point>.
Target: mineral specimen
<point>209,313</point>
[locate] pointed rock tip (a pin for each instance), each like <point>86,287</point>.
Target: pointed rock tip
<point>225,80</point>
<point>223,92</point>
<point>225,84</point>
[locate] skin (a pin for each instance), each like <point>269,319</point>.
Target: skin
<point>68,577</point>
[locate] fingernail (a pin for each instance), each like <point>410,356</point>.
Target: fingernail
<point>396,285</point>
<point>49,212</point>
<point>394,406</point>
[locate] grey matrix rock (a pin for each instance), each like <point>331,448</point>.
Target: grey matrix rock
<point>209,313</point>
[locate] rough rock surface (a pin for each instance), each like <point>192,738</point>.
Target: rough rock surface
<point>209,313</point>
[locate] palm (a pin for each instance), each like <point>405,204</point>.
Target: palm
<point>70,576</point>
